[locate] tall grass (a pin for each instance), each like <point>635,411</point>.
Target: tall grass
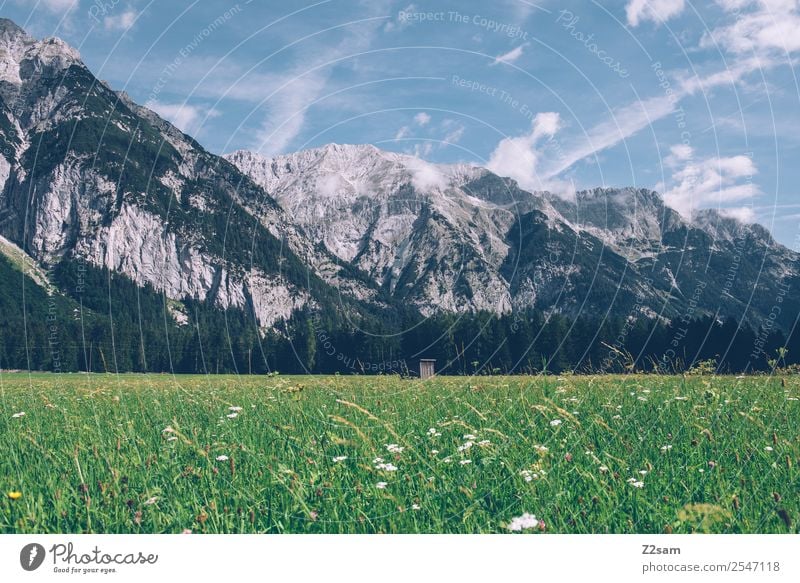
<point>603,454</point>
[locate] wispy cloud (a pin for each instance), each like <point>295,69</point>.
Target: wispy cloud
<point>511,56</point>
<point>623,123</point>
<point>120,22</point>
<point>188,118</point>
<point>56,6</point>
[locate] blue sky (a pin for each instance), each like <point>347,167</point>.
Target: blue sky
<point>698,100</point>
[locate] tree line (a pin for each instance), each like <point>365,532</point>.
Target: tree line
<point>113,325</point>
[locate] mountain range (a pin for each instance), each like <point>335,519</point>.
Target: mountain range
<point>92,181</point>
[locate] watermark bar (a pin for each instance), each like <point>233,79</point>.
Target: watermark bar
<point>371,558</point>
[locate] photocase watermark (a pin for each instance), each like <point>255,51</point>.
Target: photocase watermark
<point>569,22</point>
<point>67,560</point>
<point>512,31</point>
<point>32,556</point>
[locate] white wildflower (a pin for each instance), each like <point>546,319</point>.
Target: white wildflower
<point>381,485</point>
<point>469,436</point>
<point>768,448</point>
<point>18,415</point>
<point>555,423</point>
<point>415,507</point>
<point>339,458</point>
<point>520,523</point>
<point>465,446</point>
<point>465,462</point>
<point>232,415</point>
<point>666,448</point>
<point>394,448</point>
<point>222,458</point>
<point>234,409</point>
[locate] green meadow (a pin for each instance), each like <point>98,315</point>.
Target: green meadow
<point>359,454</point>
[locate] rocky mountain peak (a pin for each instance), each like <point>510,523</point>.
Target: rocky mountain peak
<point>22,57</point>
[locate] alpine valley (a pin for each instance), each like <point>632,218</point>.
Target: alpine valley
<point>128,246</point>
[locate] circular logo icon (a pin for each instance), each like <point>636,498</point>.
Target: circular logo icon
<point>31,556</point>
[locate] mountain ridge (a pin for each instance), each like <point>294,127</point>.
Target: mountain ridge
<point>349,231</point>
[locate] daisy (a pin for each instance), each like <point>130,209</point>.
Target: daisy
<point>394,448</point>
<point>520,523</point>
<point>466,446</point>
<point>666,448</point>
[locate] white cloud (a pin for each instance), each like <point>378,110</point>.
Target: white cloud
<point>425,176</point>
<point>121,21</point>
<point>710,182</point>
<point>187,118</point>
<point>744,214</point>
<point>422,119</point>
<point>657,11</point>
<point>511,56</point>
<point>519,157</point>
<point>769,27</point>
